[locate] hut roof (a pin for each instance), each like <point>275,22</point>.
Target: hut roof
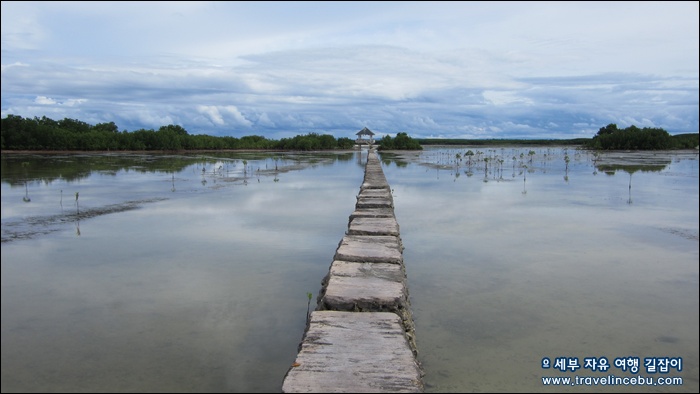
<point>365,131</point>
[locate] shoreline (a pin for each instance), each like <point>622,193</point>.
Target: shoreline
<point>62,152</point>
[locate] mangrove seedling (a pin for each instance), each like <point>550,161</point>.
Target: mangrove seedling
<point>308,307</point>
<point>469,155</point>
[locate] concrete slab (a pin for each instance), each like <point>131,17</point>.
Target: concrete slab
<point>374,184</point>
<point>370,249</point>
<point>375,193</point>
<point>371,202</point>
<point>373,226</point>
<point>361,337</point>
<point>374,177</point>
<point>365,287</point>
<point>334,356</point>
<point>372,213</point>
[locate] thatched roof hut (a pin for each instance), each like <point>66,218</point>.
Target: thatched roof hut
<point>364,137</point>
<point>364,131</point>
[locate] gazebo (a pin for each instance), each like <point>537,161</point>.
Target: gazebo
<point>361,137</point>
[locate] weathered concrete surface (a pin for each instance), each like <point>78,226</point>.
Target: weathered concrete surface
<point>383,212</point>
<point>373,226</point>
<point>374,175</point>
<point>374,203</point>
<point>350,352</point>
<point>361,287</point>
<point>374,184</point>
<point>361,337</point>
<point>374,180</point>
<point>368,287</point>
<point>370,249</point>
<point>383,193</point>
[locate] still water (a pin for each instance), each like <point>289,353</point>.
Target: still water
<point>189,273</point>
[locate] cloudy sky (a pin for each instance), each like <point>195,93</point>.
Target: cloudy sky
<point>280,69</point>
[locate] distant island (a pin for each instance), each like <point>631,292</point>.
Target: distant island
<point>45,134</point>
<point>607,138</point>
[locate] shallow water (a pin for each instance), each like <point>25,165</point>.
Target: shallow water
<point>506,272</point>
<point>164,277</point>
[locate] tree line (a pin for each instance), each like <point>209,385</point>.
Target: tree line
<point>17,133</point>
<point>611,137</point>
<point>401,142</point>
<point>607,138</point>
<point>502,141</point>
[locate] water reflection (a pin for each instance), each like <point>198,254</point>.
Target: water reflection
<point>216,170</point>
<point>17,169</point>
<point>175,285</point>
<point>196,289</point>
<point>611,167</point>
<point>502,274</point>
<point>26,193</point>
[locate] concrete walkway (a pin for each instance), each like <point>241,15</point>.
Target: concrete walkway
<point>361,336</point>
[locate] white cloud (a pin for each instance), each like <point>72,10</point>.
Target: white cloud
<point>237,116</point>
<point>215,115</point>
<point>499,98</point>
<point>212,113</point>
<point>468,69</point>
<point>44,100</point>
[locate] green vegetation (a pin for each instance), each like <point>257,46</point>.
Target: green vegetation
<point>314,141</point>
<point>634,138</point>
<point>308,307</point>
<point>401,142</point>
<point>17,133</point>
<point>685,141</point>
<point>500,142</point>
<point>608,138</point>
